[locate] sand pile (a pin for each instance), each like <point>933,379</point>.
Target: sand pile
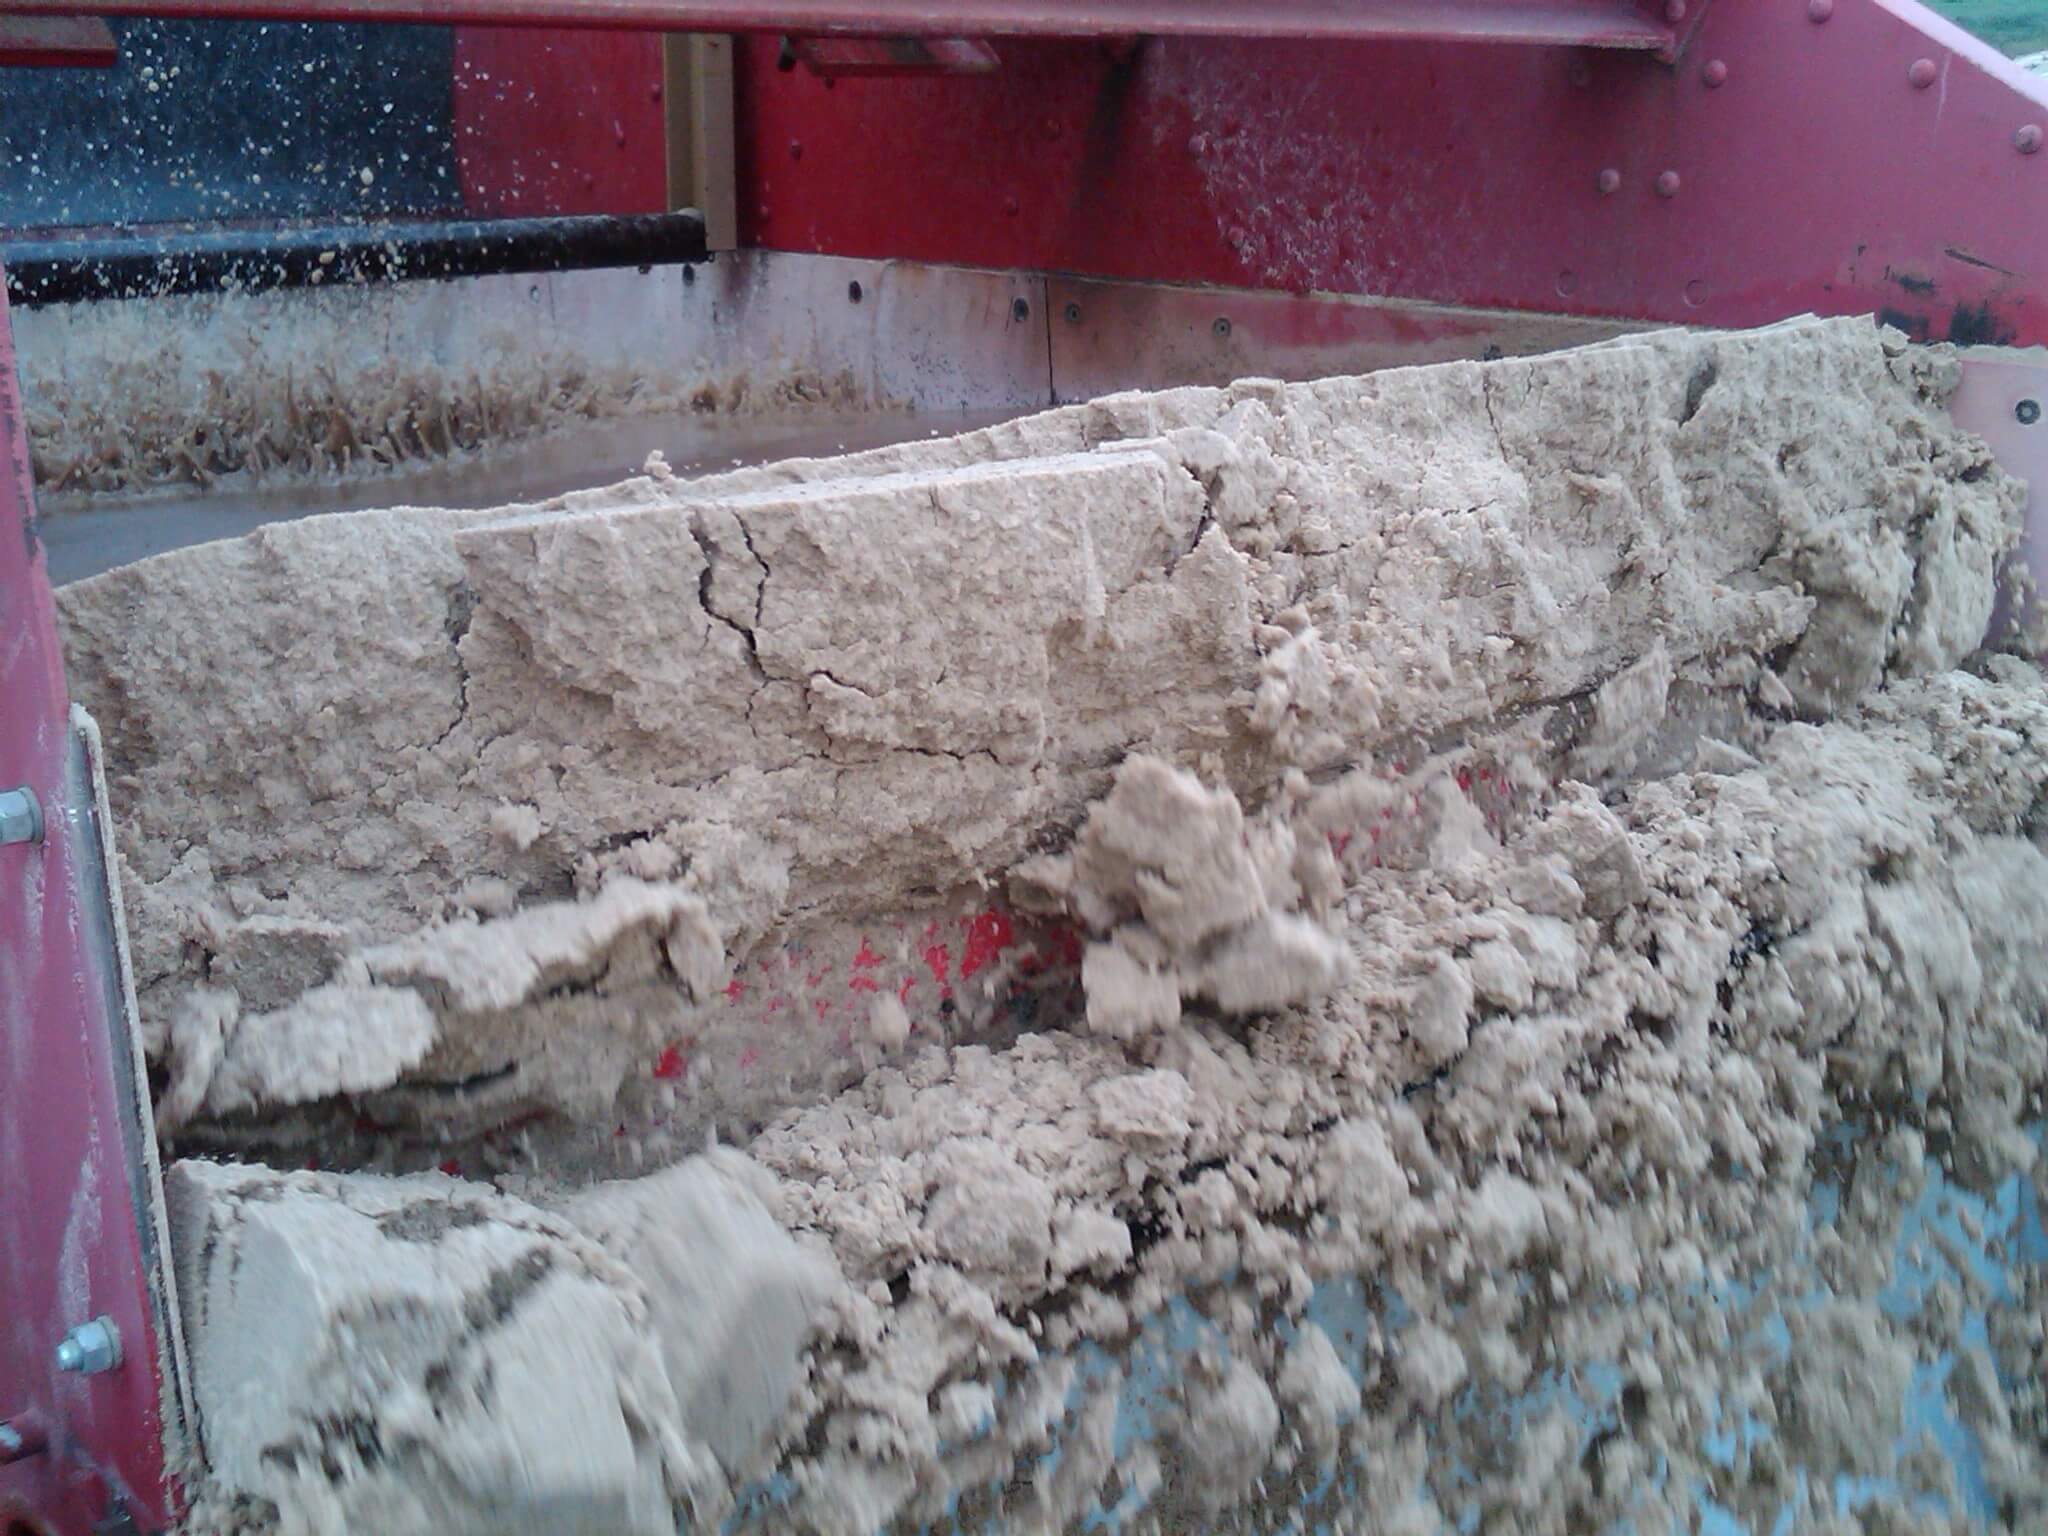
<point>1408,883</point>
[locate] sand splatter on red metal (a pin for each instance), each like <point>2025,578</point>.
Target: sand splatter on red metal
<point>866,959</point>
<point>669,1064</point>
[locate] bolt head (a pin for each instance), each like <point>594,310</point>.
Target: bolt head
<point>1608,181</point>
<point>1920,73</point>
<point>1715,75</point>
<point>1667,183</point>
<point>1819,10</point>
<point>2027,412</point>
<point>1221,328</point>
<point>2028,139</point>
<point>21,816</point>
<point>90,1348</point>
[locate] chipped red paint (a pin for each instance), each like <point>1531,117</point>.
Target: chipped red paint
<point>903,991</point>
<point>669,1064</point>
<point>735,990</point>
<point>449,1166</point>
<point>863,984</point>
<point>748,1057</point>
<point>988,935</point>
<point>865,959</point>
<point>938,958</point>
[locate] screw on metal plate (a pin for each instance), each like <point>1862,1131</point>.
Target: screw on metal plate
<point>2027,412</point>
<point>1073,313</point>
<point>90,1348</point>
<point>1221,328</point>
<point>21,816</point>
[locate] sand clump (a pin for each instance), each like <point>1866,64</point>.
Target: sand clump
<point>1470,849</point>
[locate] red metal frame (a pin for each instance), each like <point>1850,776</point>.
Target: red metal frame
<point>63,42</point>
<point>1787,164</point>
<point>1578,23</point>
<point>552,122</point>
<point>847,57</point>
<point>74,1190</point>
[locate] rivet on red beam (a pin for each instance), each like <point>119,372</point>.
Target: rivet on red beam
<point>1921,74</point>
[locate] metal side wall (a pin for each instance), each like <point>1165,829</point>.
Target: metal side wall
<point>77,1171</point>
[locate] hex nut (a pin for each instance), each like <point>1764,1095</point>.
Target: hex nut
<point>21,816</point>
<point>90,1348</point>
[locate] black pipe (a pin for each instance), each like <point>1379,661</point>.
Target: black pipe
<point>63,269</point>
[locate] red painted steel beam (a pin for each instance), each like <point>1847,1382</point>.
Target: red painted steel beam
<point>849,58</point>
<point>1839,156</point>
<point>1557,23</point>
<point>77,1169</point>
<point>65,42</point>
